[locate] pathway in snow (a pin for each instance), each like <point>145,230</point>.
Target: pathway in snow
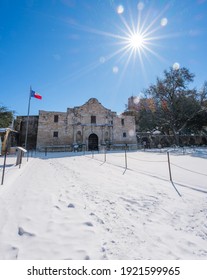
<point>77,207</point>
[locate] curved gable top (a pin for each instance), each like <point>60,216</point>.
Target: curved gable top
<point>93,105</point>
<point>94,101</point>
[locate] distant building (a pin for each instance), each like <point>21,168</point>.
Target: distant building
<point>20,126</point>
<point>91,125</point>
<point>132,103</point>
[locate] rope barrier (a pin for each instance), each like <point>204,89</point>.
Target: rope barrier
<point>188,170</point>
<point>139,159</point>
<point>147,160</point>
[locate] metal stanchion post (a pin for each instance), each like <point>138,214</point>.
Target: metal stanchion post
<point>4,167</point>
<point>125,156</point>
<point>27,155</point>
<point>168,158</point>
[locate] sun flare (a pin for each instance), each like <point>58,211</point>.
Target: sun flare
<point>136,41</point>
<point>137,38</point>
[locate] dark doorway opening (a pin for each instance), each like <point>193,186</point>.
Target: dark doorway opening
<point>93,142</point>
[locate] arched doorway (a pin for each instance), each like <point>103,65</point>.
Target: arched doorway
<point>93,142</point>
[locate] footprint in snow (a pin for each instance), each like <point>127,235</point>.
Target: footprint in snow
<point>12,253</point>
<point>89,224</point>
<point>71,205</point>
<point>83,255</point>
<point>21,232</point>
<point>97,218</point>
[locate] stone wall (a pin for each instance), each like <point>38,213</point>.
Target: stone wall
<point>90,124</point>
<point>47,128</point>
<point>124,130</point>
<point>20,125</point>
<point>155,141</point>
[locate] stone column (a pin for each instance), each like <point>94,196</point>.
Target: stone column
<point>74,133</point>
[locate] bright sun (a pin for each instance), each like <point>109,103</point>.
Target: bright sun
<point>136,41</point>
<point>136,37</point>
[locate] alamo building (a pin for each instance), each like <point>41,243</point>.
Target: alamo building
<point>90,125</point>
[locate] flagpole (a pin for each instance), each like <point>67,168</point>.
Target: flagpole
<point>27,125</point>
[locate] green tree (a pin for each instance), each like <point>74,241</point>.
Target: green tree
<point>6,117</point>
<point>143,110</point>
<point>198,121</point>
<point>203,96</point>
<point>176,106</point>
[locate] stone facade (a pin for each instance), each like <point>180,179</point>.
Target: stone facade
<point>91,125</point>
<point>20,126</point>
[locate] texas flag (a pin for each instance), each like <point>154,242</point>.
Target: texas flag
<point>35,95</point>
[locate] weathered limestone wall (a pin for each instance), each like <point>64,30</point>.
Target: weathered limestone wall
<point>20,125</point>
<point>47,127</point>
<point>79,124</point>
<point>80,118</point>
<point>124,130</point>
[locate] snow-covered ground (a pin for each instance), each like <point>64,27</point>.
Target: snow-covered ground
<point>75,206</point>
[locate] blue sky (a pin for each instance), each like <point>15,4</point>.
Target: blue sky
<point>72,50</point>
